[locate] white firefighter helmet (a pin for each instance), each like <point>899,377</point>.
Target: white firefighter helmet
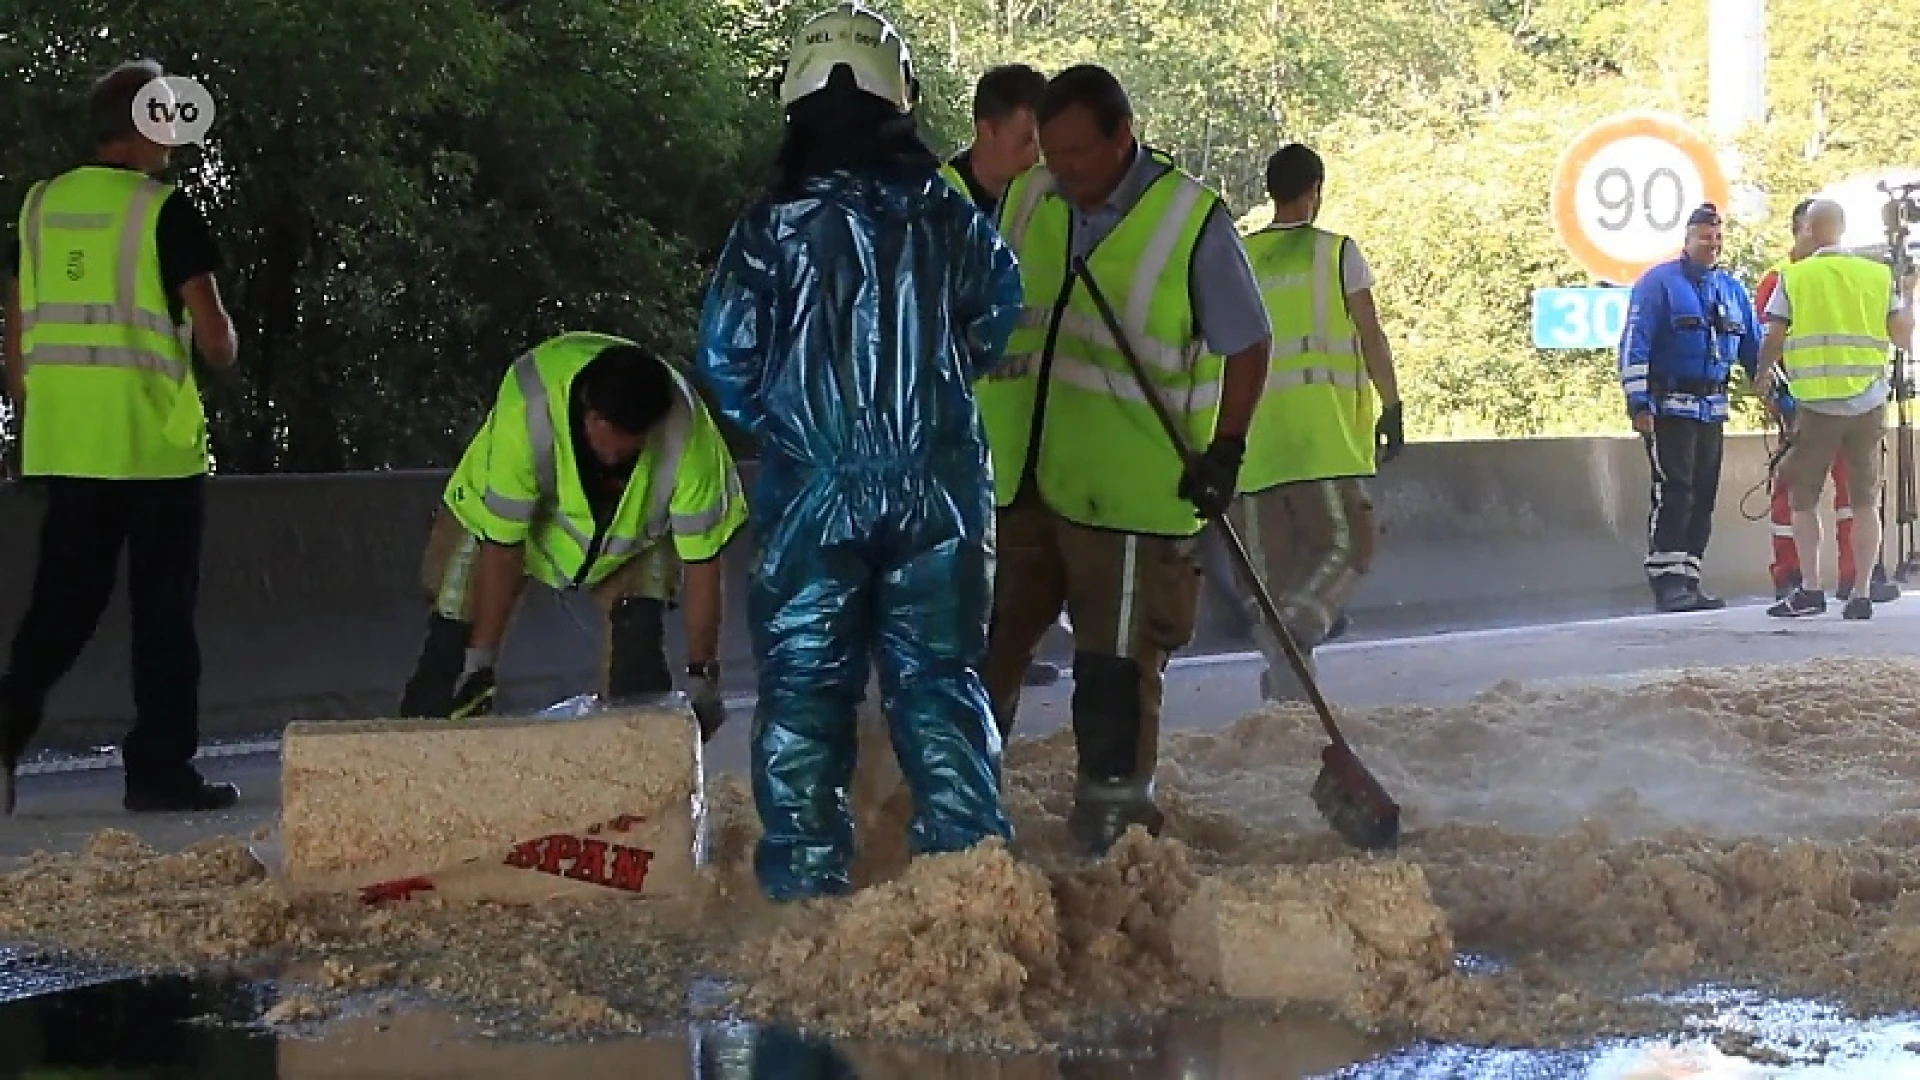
<point>855,35</point>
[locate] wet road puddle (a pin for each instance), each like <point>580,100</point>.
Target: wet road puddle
<point>62,1021</point>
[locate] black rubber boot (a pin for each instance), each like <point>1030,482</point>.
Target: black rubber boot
<point>1108,797</point>
<point>189,795</point>
<point>443,657</point>
<point>637,627</point>
<point>1103,811</point>
<point>18,723</point>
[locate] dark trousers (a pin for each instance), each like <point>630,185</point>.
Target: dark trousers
<point>1684,456</point>
<point>87,522</point>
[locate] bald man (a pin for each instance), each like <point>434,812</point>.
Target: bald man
<point>1829,325</point>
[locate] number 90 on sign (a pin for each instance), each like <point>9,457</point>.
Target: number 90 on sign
<point>1579,318</point>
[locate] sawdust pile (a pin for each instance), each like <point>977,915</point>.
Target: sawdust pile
<point>1746,824</point>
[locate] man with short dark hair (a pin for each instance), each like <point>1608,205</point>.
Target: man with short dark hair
<point>1006,143</point>
<point>1689,323</point>
<point>1305,512</point>
<point>593,453</point>
<point>110,292</point>
<point>1097,510</point>
<point>1006,137</point>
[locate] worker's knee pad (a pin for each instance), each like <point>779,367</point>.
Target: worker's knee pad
<point>637,664</point>
<point>1106,715</point>
<point>443,656</point>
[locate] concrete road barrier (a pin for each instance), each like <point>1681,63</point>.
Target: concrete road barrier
<point>310,605</point>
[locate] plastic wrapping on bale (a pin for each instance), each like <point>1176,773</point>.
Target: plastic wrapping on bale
<point>510,809</point>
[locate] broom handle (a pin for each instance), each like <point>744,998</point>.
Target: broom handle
<point>1269,612</point>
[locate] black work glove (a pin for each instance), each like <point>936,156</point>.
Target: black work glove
<point>1212,479</point>
<point>1389,434</point>
<point>708,706</point>
<point>474,697</point>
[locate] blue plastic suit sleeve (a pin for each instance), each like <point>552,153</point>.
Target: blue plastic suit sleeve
<point>987,295</point>
<point>734,326</point>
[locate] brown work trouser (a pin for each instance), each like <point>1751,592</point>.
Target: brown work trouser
<point>446,572</point>
<point>1820,439</point>
<point>1311,542</point>
<point>1132,601</point>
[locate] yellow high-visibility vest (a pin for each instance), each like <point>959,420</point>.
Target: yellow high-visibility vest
<point>111,392</point>
<point>1103,458</point>
<point>1315,418</point>
<point>1837,340</point>
<point>519,482</point>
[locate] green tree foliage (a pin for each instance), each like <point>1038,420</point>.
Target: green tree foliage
<point>409,194</point>
<point>1442,121</point>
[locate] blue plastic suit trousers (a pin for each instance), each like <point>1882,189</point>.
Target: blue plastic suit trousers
<point>912,592</point>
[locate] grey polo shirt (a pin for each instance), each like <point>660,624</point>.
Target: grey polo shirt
<point>1227,305</point>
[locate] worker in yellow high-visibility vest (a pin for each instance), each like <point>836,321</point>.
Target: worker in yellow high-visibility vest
<point>1305,515</point>
<point>1006,137</point>
<point>1097,510</point>
<point>1006,143</point>
<point>109,291</point>
<point>1829,325</point>
<point>597,468</point>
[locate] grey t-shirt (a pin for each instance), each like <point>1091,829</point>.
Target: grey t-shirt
<point>1227,303</point>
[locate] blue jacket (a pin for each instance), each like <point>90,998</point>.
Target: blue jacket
<point>1686,329</point>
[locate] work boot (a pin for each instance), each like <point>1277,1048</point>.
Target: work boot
<point>1883,590</point>
<point>16,727</point>
<point>1041,673</point>
<point>1103,810</point>
<point>1704,601</point>
<point>1858,609</point>
<point>1673,593</point>
<point>190,794</point>
<point>1800,603</point>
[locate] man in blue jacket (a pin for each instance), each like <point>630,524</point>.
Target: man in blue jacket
<point>1688,323</point>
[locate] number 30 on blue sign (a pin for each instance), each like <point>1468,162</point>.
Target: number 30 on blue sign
<point>1591,318</point>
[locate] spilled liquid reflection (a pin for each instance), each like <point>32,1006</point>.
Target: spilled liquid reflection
<point>84,1024</point>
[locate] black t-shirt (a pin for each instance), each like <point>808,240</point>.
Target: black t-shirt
<point>183,238</point>
<point>963,163</point>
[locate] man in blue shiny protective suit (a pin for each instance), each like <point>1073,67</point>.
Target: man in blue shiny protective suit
<point>852,311</point>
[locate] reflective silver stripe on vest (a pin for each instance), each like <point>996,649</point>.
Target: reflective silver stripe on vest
<point>124,311</point>
<point>1326,250</point>
<point>1837,341</point>
<point>707,520</point>
<point>668,441</point>
<point>1030,197</point>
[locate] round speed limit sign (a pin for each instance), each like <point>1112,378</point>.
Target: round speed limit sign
<point>1624,188</point>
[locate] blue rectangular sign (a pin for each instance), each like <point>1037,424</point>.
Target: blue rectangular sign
<point>1589,318</point>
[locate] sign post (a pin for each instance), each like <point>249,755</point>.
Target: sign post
<point>1623,189</point>
<point>1590,318</point>
<point>1621,195</point>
